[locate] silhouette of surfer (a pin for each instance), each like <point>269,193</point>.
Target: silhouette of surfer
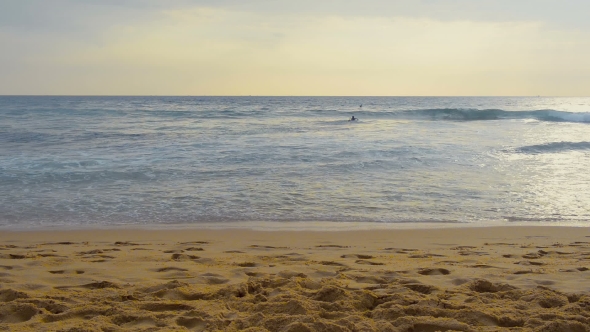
<point>353,118</point>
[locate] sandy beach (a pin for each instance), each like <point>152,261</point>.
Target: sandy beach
<point>464,279</point>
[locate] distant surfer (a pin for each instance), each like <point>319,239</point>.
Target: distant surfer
<point>353,118</point>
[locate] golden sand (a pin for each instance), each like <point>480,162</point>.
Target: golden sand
<point>470,279</point>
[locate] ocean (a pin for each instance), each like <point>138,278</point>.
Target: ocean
<point>293,162</point>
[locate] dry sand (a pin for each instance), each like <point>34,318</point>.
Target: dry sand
<point>470,279</point>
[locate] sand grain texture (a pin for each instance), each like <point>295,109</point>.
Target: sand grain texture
<point>474,279</point>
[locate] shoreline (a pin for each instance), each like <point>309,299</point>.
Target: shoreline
<point>512,230</point>
<point>319,226</point>
<point>465,279</point>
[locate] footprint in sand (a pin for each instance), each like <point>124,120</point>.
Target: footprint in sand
<point>367,279</point>
<point>420,288</point>
<point>331,263</point>
<point>64,271</point>
<point>542,253</point>
<point>472,253</point>
<point>96,251</point>
<point>171,268</point>
<point>486,286</point>
<point>49,255</point>
<point>126,243</point>
<point>460,281</point>
<point>578,269</point>
<point>214,279</point>
<point>533,255</point>
<point>92,285</point>
<point>530,263</point>
<point>290,274</point>
<point>255,246</point>
<point>401,251</point>
<point>136,322</point>
<point>579,244</point>
<point>433,272</point>
<point>9,295</point>
<point>357,256</point>
<point>246,264</point>
<point>295,257</point>
<point>365,262</point>
<point>205,261</point>
<point>17,313</point>
<point>100,285</point>
<point>254,274</point>
<point>425,256</point>
<point>183,257</point>
<point>484,266</point>
<point>192,323</point>
<point>463,248</point>
<point>99,256</point>
<point>16,256</point>
<point>66,243</point>
<point>526,272</point>
<point>161,307</point>
<point>331,246</point>
<point>194,249</point>
<point>45,251</point>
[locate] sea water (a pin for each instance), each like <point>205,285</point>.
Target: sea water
<point>293,161</point>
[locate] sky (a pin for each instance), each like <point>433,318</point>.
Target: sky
<point>303,47</point>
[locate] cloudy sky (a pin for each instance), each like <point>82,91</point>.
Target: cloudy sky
<point>303,47</point>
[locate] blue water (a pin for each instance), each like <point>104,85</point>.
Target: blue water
<point>149,161</point>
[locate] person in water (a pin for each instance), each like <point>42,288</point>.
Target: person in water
<point>353,118</point>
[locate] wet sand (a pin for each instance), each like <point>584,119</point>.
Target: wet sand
<point>464,279</point>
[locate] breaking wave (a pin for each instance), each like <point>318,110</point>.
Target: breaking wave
<point>554,147</point>
<point>457,114</point>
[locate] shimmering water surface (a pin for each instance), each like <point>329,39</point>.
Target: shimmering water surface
<point>100,161</point>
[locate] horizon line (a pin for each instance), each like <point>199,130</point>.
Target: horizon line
<point>296,96</point>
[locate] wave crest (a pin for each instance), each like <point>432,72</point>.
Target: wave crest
<point>458,114</point>
<point>554,147</point>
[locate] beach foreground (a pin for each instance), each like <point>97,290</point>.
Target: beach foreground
<point>464,279</point>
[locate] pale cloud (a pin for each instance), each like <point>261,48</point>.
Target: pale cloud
<point>234,48</point>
